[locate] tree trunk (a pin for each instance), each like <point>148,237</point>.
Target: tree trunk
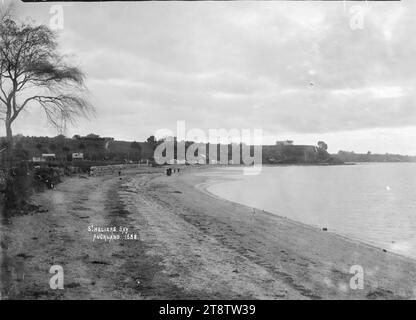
<point>10,193</point>
<point>9,139</point>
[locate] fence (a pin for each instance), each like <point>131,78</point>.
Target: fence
<point>110,169</point>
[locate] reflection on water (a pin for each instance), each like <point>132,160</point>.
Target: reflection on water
<point>375,203</point>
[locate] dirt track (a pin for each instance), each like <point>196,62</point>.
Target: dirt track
<point>59,236</point>
<point>171,260</point>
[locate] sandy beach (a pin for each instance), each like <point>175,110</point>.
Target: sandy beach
<point>190,245</point>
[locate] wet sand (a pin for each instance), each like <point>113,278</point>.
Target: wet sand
<point>192,245</point>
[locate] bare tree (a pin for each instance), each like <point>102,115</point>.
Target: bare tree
<point>32,72</point>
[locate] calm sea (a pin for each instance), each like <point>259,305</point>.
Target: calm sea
<point>375,203</point>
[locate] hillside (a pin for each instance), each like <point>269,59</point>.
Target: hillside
<point>350,156</point>
<point>93,148</point>
<point>96,148</point>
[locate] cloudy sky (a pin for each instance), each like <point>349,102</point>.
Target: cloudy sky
<point>295,69</point>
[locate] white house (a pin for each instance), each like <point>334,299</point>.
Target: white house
<point>77,156</point>
<point>48,156</point>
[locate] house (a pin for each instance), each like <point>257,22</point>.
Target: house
<point>44,157</point>
<point>77,156</point>
<point>38,159</point>
<point>49,156</point>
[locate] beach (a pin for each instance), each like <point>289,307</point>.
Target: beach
<point>190,245</point>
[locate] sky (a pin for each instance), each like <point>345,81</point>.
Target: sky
<point>304,71</point>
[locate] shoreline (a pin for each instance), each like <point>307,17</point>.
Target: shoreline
<point>361,247</point>
<point>203,187</point>
<point>191,245</point>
